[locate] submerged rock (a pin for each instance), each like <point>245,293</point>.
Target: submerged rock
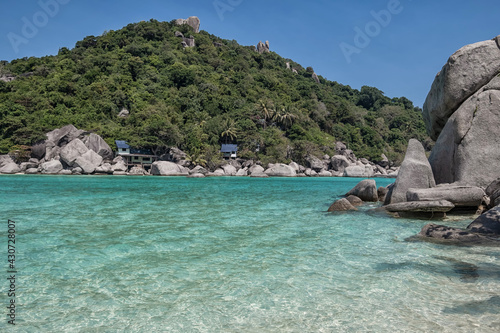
<point>341,205</point>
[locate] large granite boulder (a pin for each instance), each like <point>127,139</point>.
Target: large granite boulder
<point>339,163</point>
<point>51,167</point>
<point>466,71</point>
<point>280,170</point>
<point>366,190</point>
<point>261,47</point>
<point>62,136</point>
<point>415,172</point>
<point>164,168</point>
<point>97,144</point>
<point>488,223</point>
<point>467,147</point>
<point>315,163</point>
<point>72,151</point>
<point>460,196</point>
<point>88,161</point>
<point>365,171</point>
<point>192,21</point>
<point>10,168</point>
<point>229,170</point>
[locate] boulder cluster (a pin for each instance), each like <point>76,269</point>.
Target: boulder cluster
<point>462,113</point>
<point>68,150</point>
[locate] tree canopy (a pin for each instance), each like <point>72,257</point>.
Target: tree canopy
<point>196,98</point>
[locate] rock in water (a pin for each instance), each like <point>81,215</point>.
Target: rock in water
<point>488,223</point>
<point>466,71</point>
<point>415,172</point>
<point>467,147</point>
<point>341,205</point>
<point>366,190</point>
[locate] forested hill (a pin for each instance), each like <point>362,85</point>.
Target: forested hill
<point>196,98</point>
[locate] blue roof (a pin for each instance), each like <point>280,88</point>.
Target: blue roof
<point>228,148</point>
<point>121,144</point>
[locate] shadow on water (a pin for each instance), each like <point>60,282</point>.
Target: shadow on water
<point>448,267</point>
<point>491,305</point>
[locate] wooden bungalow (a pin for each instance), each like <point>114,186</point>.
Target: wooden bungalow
<point>135,157</point>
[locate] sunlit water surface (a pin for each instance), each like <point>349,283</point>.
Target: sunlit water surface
<point>152,254</point>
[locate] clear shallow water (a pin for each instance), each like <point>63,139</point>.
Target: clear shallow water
<point>137,254</point>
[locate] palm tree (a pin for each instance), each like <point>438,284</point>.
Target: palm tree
<point>230,131</point>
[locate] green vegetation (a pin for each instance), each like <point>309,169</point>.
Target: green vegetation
<point>197,98</point>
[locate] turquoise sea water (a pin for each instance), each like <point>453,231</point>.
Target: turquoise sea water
<point>153,254</point>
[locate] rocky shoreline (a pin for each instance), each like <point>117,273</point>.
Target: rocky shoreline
<point>462,112</point>
<point>70,151</point>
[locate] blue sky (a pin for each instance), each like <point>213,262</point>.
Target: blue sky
<point>396,46</point>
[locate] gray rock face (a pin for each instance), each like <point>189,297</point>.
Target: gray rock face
<point>119,166</point>
<point>97,144</point>
<point>188,42</point>
<point>315,163</point>
<point>64,135</point>
<point>366,190</point>
<point>339,163</point>
<point>315,77</point>
<point>164,168</point>
<point>137,171</point>
<point>466,71</point>
<point>488,223</point>
<point>460,196</point>
<point>72,151</point>
<point>439,206</point>
<point>88,161</point>
<point>261,47</point>
<point>359,171</point>
<point>256,169</point>
<point>354,200</point>
<point>468,144</point>
<point>415,172</point>
<point>382,193</point>
<point>104,168</point>
<point>229,170</point>
<point>242,172</point>
<point>31,171</point>
<point>192,21</point>
<point>280,170</point>
<point>124,113</point>
<point>341,205</point>
<point>10,168</point>
<point>51,167</point>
